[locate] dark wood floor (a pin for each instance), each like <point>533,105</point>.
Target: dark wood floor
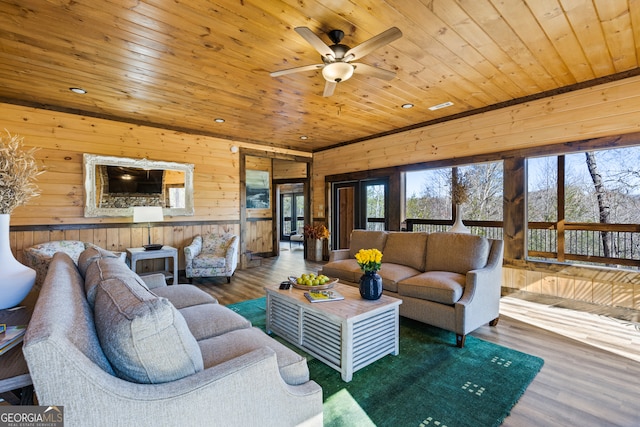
<point>579,385</point>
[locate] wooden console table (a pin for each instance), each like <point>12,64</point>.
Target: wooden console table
<point>167,252</point>
<point>14,374</point>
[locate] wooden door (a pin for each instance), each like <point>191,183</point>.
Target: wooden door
<point>345,215</point>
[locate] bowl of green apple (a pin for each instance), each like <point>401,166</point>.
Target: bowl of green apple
<point>312,281</point>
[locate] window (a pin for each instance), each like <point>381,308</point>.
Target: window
<point>542,181</point>
<point>292,214</point>
<point>375,205</point>
<point>429,206</point>
<point>583,207</point>
<point>485,191</point>
<point>176,196</point>
<point>428,194</point>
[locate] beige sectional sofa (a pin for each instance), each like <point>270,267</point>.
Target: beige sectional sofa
<point>113,349</point>
<point>448,280</point>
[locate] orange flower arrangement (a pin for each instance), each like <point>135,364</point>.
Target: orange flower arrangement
<point>316,232</point>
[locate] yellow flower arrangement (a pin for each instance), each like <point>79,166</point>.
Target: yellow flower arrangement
<point>369,260</point>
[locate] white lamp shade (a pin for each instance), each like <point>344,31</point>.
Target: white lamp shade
<point>337,71</point>
<point>147,214</point>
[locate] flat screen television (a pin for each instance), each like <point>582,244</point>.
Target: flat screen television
<point>134,180</point>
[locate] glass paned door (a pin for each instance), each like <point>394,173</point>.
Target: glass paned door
<point>374,203</point>
<point>299,210</point>
<point>292,217</point>
<point>358,205</point>
<point>286,203</point>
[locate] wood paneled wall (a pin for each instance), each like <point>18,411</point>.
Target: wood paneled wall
<point>259,236</point>
<point>286,169</point>
<point>63,138</point>
<point>608,109</point>
<point>600,287</point>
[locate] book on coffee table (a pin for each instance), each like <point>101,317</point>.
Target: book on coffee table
<point>324,295</point>
<point>11,337</point>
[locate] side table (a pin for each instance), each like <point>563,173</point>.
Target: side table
<point>167,252</point>
<point>14,374</point>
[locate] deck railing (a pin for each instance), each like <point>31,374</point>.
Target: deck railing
<point>569,242</point>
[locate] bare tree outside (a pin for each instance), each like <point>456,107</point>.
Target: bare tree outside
<point>542,198</point>
<point>485,191</point>
<point>603,202</point>
<point>431,198</point>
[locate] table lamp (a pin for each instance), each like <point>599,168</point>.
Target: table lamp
<point>148,214</point>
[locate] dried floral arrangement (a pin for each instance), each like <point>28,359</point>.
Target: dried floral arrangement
<point>18,171</point>
<point>460,190</point>
<point>316,231</point>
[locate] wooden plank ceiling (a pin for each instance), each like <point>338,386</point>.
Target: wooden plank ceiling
<point>180,64</point>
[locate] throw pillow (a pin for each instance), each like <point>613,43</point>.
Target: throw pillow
<point>144,337</point>
<point>91,254</point>
<point>101,269</point>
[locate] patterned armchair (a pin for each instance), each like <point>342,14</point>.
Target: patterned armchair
<point>212,255</point>
<point>39,256</point>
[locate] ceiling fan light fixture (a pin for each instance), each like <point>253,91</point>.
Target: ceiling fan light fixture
<point>337,72</point>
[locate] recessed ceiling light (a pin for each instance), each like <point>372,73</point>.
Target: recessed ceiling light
<point>408,105</point>
<point>78,90</point>
<point>304,137</point>
<point>439,106</point>
<point>218,120</point>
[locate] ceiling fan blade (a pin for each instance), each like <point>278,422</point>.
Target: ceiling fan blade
<point>368,70</point>
<point>373,43</point>
<point>297,70</point>
<point>329,87</point>
<point>315,41</point>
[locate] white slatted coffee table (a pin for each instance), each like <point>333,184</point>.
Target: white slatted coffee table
<point>346,335</point>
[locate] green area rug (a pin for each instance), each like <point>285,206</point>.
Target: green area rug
<point>430,383</point>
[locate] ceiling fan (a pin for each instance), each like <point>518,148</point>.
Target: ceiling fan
<point>337,66</point>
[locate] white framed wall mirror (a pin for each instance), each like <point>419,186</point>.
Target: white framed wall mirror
<point>115,185</point>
